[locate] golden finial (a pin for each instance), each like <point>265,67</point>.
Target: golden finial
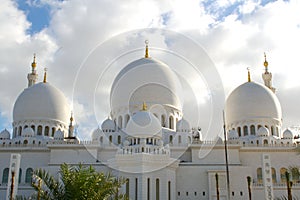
<point>249,76</point>
<point>266,62</point>
<point>146,51</point>
<point>45,75</point>
<point>33,64</point>
<point>144,108</point>
<point>71,118</point>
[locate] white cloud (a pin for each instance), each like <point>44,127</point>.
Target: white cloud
<point>234,43</point>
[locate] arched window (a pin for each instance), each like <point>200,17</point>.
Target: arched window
<point>245,130</point>
<point>171,139</point>
<point>274,175</point>
<point>259,175</point>
<point>25,142</point>
<point>157,188</point>
<point>120,122</point>
<point>252,130</point>
<point>5,175</point>
<point>101,139</point>
<point>163,121</point>
<point>277,131</point>
<point>20,175</point>
<point>282,175</point>
<point>53,131</point>
<point>136,188</point>
<point>148,189</point>
<point>295,174</point>
<point>28,176</point>
<point>126,120</point>
<point>119,139</point>
<point>33,127</point>
<point>110,138</point>
<point>20,130</point>
<point>39,130</point>
<point>272,130</point>
<point>189,139</point>
<point>47,131</point>
<point>265,142</point>
<point>239,131</point>
<point>171,122</point>
<point>179,139</point>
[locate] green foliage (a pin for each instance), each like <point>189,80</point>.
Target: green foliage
<point>76,183</point>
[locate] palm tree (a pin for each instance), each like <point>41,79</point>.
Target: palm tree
<point>75,183</point>
<point>289,185</point>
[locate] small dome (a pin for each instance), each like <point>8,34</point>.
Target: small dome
<point>288,134</point>
<point>232,135</point>
<point>41,101</point>
<point>126,143</point>
<point>96,134</point>
<point>183,126</point>
<point>108,125</point>
<point>263,132</point>
<point>28,132</point>
<point>58,135</point>
<point>4,135</point>
<point>252,101</point>
<point>143,124</point>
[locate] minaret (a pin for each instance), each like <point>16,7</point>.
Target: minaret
<point>33,76</point>
<point>71,127</point>
<point>267,76</point>
<point>146,50</point>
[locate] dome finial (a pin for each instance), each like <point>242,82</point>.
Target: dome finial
<point>45,75</point>
<point>144,108</point>
<point>71,118</point>
<point>249,75</point>
<point>33,64</point>
<point>266,62</point>
<point>146,51</point>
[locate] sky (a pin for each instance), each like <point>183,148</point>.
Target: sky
<point>68,36</point>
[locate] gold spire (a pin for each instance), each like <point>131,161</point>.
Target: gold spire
<point>33,64</point>
<point>144,108</point>
<point>45,75</point>
<point>249,76</point>
<point>146,51</point>
<point>71,118</point>
<point>266,62</point>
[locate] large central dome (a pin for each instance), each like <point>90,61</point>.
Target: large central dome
<point>145,80</point>
<point>252,101</point>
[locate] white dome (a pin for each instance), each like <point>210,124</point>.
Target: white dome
<point>183,126</point>
<point>232,134</point>
<point>143,124</point>
<point>145,80</point>
<point>4,135</point>
<point>41,101</point>
<point>252,101</point>
<point>263,132</point>
<point>28,132</point>
<point>58,135</point>
<point>108,125</point>
<point>96,134</point>
<point>288,134</point>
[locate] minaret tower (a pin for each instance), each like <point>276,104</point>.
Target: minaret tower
<point>267,76</point>
<point>33,76</point>
<point>71,127</point>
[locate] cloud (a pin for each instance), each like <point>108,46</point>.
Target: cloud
<point>234,33</point>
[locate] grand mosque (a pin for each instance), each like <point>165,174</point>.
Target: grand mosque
<point>146,139</point>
